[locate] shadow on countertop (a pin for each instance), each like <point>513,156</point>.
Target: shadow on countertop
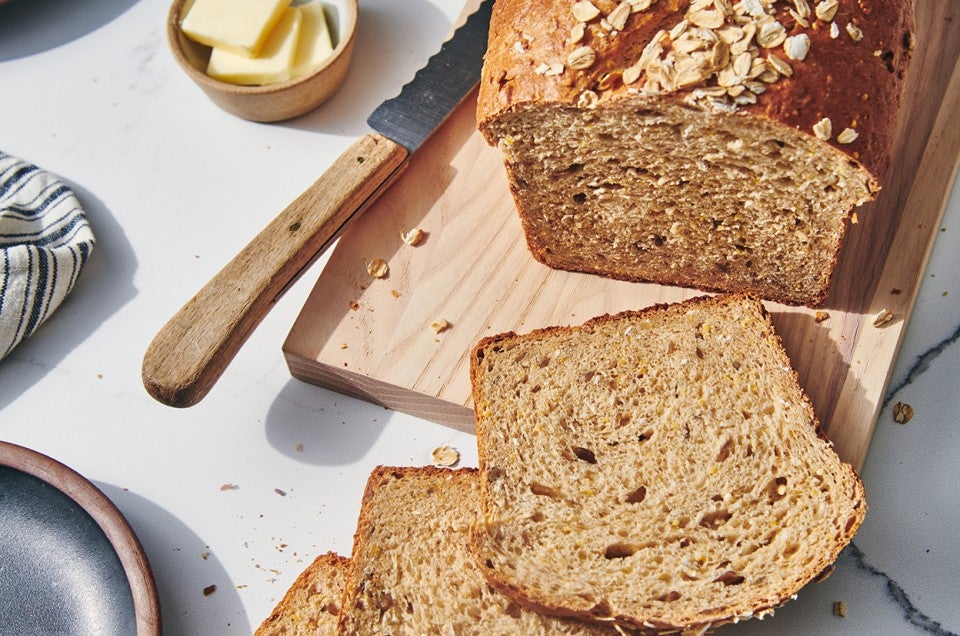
<point>183,566</point>
<point>104,286</point>
<point>25,25</point>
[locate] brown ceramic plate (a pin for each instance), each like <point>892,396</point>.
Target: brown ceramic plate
<point>69,561</point>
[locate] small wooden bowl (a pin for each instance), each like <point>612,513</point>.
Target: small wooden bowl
<point>273,102</point>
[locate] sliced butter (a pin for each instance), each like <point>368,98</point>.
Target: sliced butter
<point>315,45</point>
<point>273,64</point>
<point>241,26</point>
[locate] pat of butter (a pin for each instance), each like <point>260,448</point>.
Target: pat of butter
<point>316,45</point>
<point>241,26</point>
<point>273,64</point>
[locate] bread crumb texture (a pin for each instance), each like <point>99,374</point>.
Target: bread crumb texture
<point>660,469</point>
<point>711,144</point>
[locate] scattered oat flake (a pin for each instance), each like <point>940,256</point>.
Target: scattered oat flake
<point>882,318</point>
<point>395,293</point>
<point>210,589</point>
<point>229,487</point>
<point>440,325</point>
<point>343,345</point>
<point>378,268</point>
<point>854,32</point>
<point>847,136</point>
<point>823,129</point>
<point>280,492</point>
<point>412,237</point>
<point>354,305</point>
<point>820,316</point>
<point>902,412</point>
<point>854,219</point>
<point>840,608</point>
<point>445,456</point>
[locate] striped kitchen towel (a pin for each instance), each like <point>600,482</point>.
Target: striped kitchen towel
<point>45,240</point>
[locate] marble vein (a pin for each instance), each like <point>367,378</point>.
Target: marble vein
<point>921,364</point>
<point>910,611</point>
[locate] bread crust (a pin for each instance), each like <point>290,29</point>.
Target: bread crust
<point>705,619</point>
<point>851,83</point>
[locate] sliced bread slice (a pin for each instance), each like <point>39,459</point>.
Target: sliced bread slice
<point>412,571</point>
<point>312,604</point>
<point>659,469</point>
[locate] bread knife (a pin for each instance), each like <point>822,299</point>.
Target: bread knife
<point>192,350</point>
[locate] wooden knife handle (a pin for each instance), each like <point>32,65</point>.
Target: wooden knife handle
<point>192,350</point>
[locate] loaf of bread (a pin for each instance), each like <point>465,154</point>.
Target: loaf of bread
<point>412,571</point>
<point>659,469</point>
<point>311,605</point>
<point>714,144</point>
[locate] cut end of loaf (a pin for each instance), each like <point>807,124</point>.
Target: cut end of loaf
<point>661,469</point>
<point>653,190</point>
<point>715,145</point>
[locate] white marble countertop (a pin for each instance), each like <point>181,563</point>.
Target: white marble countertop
<point>175,187</point>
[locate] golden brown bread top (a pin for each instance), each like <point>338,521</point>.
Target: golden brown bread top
<point>853,74</point>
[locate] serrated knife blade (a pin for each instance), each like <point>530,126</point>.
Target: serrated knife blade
<point>437,88</point>
<point>191,351</point>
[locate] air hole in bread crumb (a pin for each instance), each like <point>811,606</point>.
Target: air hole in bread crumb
<point>619,551</point>
<point>715,519</point>
<point>777,488</point>
<point>851,522</point>
<point>729,578</point>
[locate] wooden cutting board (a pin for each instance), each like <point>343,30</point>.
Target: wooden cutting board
<point>373,339</point>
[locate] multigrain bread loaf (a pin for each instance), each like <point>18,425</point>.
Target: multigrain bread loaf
<point>412,572</point>
<point>712,144</point>
<point>311,605</point>
<point>661,469</point>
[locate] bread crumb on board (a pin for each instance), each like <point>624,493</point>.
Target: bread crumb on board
<point>840,609</point>
<point>412,237</point>
<point>883,318</point>
<point>440,325</point>
<point>445,456</point>
<point>378,268</point>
